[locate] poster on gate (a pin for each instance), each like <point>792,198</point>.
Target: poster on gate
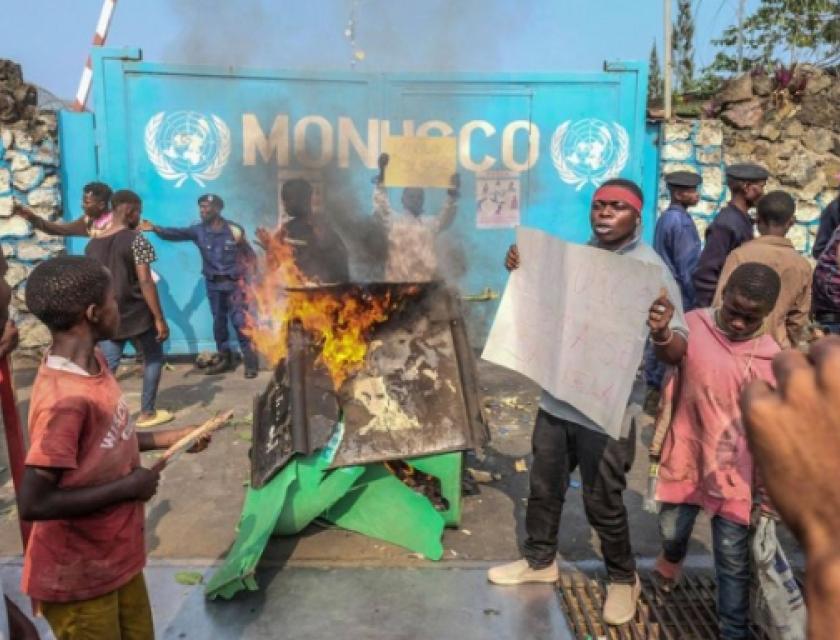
<point>498,198</point>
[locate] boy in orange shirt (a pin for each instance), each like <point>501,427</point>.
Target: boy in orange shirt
<point>84,487</point>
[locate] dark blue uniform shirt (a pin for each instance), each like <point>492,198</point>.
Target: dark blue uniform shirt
<point>225,253</point>
<point>729,230</point>
<point>678,244</point>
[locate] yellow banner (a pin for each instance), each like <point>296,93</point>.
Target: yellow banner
<point>419,162</point>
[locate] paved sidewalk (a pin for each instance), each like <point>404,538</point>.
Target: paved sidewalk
<point>351,604</point>
<point>331,581</point>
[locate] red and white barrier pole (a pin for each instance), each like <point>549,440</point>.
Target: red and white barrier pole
<point>99,37</point>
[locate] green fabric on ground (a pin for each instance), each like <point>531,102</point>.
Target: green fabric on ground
<point>366,499</point>
<point>314,491</point>
<point>259,515</point>
<point>382,507</point>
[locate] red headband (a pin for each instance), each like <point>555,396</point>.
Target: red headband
<point>613,192</point>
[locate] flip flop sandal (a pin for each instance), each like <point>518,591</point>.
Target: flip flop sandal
<point>162,416</point>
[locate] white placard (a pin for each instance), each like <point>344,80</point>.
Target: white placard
<point>573,319</point>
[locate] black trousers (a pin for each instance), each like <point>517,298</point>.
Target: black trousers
<point>559,447</point>
<point>228,301</point>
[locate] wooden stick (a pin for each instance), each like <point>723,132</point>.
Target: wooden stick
<point>191,438</point>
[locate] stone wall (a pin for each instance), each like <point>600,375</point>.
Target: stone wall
<point>29,175</point>
<point>792,130</point>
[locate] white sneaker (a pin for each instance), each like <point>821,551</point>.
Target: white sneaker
<point>620,604</point>
<point>519,572</point>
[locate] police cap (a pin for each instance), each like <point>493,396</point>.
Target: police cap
<point>212,198</point>
<point>747,171</point>
<point>687,179</point>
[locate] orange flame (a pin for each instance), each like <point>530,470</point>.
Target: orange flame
<point>340,322</point>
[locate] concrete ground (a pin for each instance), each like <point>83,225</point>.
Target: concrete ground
<point>349,603</point>
<point>192,519</point>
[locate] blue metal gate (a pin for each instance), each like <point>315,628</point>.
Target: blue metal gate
<point>173,132</point>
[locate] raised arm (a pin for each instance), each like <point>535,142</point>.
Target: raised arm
<point>77,228</point>
<point>670,344</point>
<point>447,214</point>
<point>173,234</point>
<point>382,210</point>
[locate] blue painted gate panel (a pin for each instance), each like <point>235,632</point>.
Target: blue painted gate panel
<point>172,133</point>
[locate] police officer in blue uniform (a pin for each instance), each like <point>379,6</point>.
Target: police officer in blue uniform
<point>227,263</point>
<point>677,242</point>
<point>676,239</point>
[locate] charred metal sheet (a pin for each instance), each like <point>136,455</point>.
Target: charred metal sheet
<point>292,416</point>
<point>416,393</point>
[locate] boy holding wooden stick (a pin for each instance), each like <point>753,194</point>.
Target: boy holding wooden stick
<point>84,487</point>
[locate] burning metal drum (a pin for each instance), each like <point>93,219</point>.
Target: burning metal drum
<point>410,392</point>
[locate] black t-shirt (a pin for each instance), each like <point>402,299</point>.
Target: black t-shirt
<point>121,252</point>
<point>729,230</point>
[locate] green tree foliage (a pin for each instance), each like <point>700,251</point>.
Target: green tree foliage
<point>655,88</point>
<point>683,43</point>
<point>783,32</point>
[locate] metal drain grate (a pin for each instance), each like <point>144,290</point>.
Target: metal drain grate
<point>687,613</point>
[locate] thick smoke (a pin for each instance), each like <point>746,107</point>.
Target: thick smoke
<point>254,31</point>
<point>220,32</point>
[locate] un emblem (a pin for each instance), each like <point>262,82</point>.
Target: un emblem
<point>187,144</point>
<point>589,150</point>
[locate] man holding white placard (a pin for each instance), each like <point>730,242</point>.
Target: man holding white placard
<point>586,376</point>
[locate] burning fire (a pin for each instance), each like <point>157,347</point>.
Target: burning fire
<point>340,321</point>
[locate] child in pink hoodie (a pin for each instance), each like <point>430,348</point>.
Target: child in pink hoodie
<point>705,459</point>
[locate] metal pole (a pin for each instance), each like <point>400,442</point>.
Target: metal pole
<point>666,19</point>
<point>740,41</point>
<point>99,37</point>
<point>14,437</point>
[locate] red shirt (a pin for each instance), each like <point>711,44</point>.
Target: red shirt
<point>80,425</point>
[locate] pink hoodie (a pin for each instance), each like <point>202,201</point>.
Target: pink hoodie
<point>705,457</point>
